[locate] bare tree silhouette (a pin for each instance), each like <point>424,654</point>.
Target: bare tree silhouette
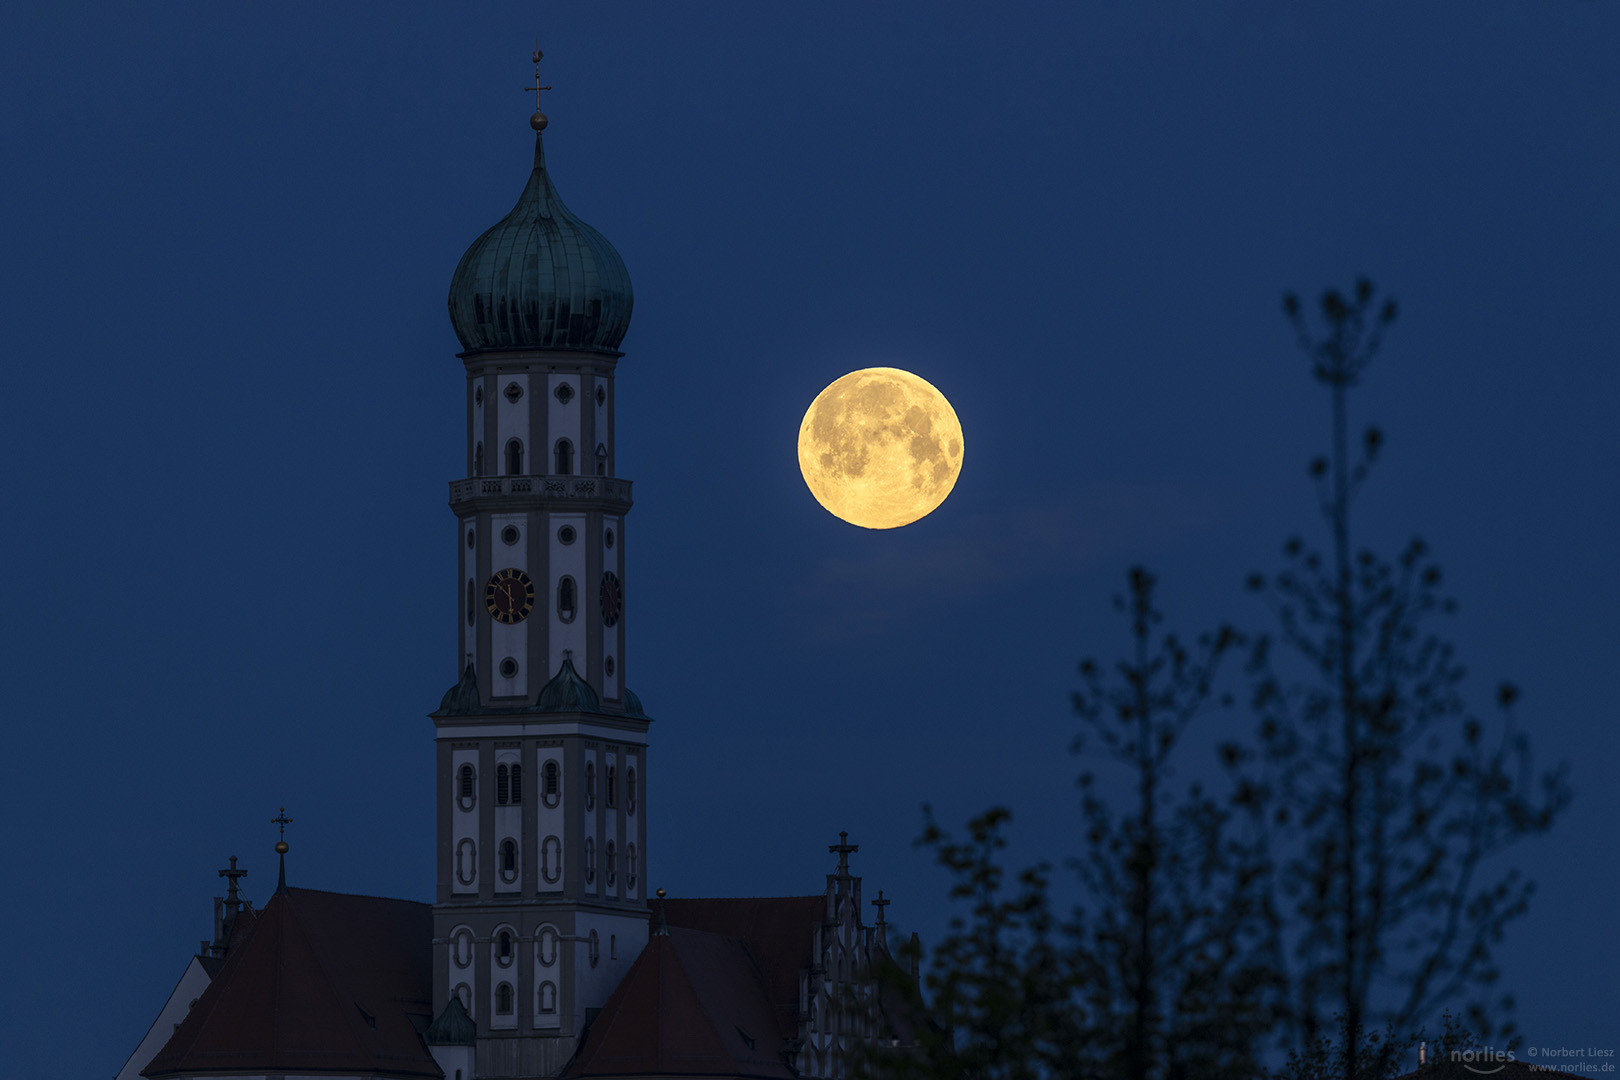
<point>1330,902</point>
<point>1383,796</point>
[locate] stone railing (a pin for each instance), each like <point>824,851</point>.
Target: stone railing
<point>546,487</point>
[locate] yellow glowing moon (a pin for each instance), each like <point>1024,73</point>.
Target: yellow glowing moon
<point>880,448</point>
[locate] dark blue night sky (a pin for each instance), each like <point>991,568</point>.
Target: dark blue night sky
<point>232,405</point>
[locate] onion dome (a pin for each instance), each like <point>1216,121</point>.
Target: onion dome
<point>540,278</point>
<point>452,1027</point>
<point>567,692</point>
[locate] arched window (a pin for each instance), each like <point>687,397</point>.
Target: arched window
<point>466,861</point>
<point>630,865</point>
<point>565,458</point>
<point>567,599</point>
<point>601,459</point>
<point>478,460</point>
<point>551,777</point>
<point>551,859</point>
<point>590,859</point>
<point>502,786</point>
<point>464,992</point>
<point>590,785</point>
<point>612,787</point>
<point>517,785</point>
<point>504,947</point>
<point>595,949</point>
<point>472,602</point>
<point>612,859</point>
<point>503,999</point>
<point>467,787</point>
<point>630,789</point>
<point>508,859</point>
<point>548,997</point>
<point>514,458</point>
<point>548,946</point>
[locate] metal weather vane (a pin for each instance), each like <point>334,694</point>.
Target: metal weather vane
<point>538,120</point>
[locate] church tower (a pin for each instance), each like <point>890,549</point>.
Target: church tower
<point>541,768</point>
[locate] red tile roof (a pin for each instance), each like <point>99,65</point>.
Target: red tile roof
<point>778,932</point>
<point>693,1004</point>
<point>323,982</point>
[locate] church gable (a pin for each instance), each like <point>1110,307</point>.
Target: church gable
<point>323,983</point>
<point>693,1003</point>
<point>777,931</point>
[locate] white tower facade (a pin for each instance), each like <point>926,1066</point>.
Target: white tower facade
<point>542,750</point>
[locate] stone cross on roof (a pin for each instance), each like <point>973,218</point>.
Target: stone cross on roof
<point>880,904</point>
<point>844,848</point>
<point>233,899</point>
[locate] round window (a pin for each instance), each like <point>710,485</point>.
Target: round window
<point>509,534</point>
<point>607,665</point>
<point>564,393</point>
<point>565,535</point>
<point>514,392</point>
<point>470,540</point>
<point>478,396</point>
<point>601,395</point>
<point>607,538</point>
<point>509,668</point>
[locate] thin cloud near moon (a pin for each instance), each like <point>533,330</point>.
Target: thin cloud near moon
<point>880,448</point>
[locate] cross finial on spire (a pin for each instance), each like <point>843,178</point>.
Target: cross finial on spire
<point>538,120</point>
<point>843,848</point>
<point>880,904</point>
<point>282,848</point>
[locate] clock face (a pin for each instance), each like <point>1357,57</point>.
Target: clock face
<point>612,597</point>
<point>509,595</point>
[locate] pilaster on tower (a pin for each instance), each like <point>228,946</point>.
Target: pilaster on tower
<point>541,745</point>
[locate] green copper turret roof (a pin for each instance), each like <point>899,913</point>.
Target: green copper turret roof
<point>540,278</point>
<point>452,1027</point>
<point>567,692</point>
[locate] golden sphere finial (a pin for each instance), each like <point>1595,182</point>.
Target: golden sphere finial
<point>282,847</point>
<point>659,894</point>
<point>538,121</point>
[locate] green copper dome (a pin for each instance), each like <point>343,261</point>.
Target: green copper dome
<point>540,278</point>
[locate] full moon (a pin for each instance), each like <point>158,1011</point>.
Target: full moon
<point>880,448</point>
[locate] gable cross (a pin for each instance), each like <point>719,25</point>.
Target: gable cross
<point>232,900</point>
<point>880,904</point>
<point>843,848</point>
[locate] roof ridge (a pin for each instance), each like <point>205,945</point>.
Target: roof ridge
<point>712,899</point>
<point>702,1001</point>
<point>363,896</point>
<point>335,986</point>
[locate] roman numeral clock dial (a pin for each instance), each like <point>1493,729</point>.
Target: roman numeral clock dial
<point>509,596</point>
